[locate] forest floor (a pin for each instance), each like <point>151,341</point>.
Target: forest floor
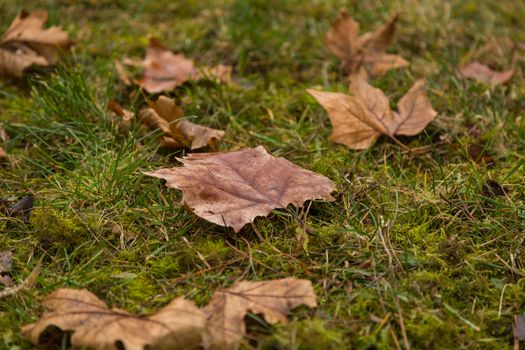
<point>418,249</point>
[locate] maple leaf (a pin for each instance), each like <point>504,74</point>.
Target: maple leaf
<point>273,299</point>
<point>231,189</point>
<point>363,55</point>
<point>359,119</point>
<point>27,43</point>
<point>164,70</point>
<point>483,73</point>
<point>178,325</point>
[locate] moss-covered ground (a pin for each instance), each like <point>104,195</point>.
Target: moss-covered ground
<point>415,250</point>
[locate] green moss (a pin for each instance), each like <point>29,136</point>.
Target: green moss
<point>164,267</point>
<point>213,250</point>
<point>305,335</point>
<point>58,229</point>
<point>140,289</point>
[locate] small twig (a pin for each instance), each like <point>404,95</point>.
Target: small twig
<point>400,144</point>
<point>516,339</point>
<point>463,209</point>
<point>424,149</point>
<point>200,272</point>
<point>256,230</point>
<point>513,269</point>
<point>247,256</point>
<point>402,324</point>
<point>394,338</point>
<point>307,228</point>
<point>201,257</point>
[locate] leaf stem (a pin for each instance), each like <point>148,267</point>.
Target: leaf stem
<point>399,143</point>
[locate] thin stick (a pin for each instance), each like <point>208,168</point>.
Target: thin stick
<point>402,325</point>
<point>394,338</point>
<point>200,272</point>
<point>516,339</point>
<point>400,144</point>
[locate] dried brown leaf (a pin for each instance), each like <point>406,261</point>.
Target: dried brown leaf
<point>164,70</point>
<point>359,119</point>
<point>22,208</point>
<point>27,43</point>
<point>273,299</point>
<point>480,154</point>
<point>231,189</point>
<point>200,136</point>
<point>166,116</point>
<point>363,55</point>
<point>415,111</point>
<point>178,325</point>
<point>167,109</point>
<point>122,73</point>
<point>13,63</point>
<point>493,189</point>
<point>126,116</point>
<point>482,73</point>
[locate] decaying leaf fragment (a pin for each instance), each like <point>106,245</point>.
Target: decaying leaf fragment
<point>178,325</point>
<point>273,299</point>
<point>484,74</point>
<point>27,43</point>
<point>164,70</point>
<point>363,55</point>
<point>359,119</point>
<point>231,189</point>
